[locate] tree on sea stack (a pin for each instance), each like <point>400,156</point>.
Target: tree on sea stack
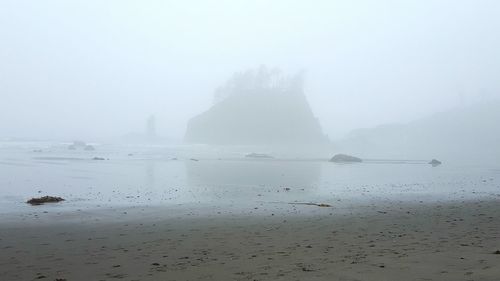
<point>258,80</point>
<point>258,107</point>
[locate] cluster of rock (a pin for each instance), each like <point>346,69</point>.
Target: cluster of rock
<point>344,158</point>
<point>80,145</point>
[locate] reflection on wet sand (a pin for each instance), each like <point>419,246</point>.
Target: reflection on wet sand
<point>253,173</point>
<point>246,181</point>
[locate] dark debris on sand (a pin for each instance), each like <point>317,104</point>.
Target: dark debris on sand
<point>44,199</point>
<point>311,204</point>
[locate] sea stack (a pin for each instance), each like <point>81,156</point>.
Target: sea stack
<point>258,107</point>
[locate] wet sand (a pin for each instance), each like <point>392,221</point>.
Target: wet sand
<point>396,241</point>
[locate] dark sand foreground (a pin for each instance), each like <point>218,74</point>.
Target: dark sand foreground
<point>452,241</point>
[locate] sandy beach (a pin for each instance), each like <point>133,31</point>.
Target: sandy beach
<point>225,217</point>
<point>398,241</point>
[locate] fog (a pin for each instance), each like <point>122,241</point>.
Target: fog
<point>249,139</point>
<point>97,70</point>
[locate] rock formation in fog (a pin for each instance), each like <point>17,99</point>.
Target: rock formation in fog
<point>258,107</point>
<point>469,133</point>
<point>148,137</point>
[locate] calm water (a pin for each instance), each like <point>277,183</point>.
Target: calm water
<point>167,175</point>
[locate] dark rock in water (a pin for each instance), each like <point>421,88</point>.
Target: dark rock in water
<point>343,158</point>
<point>98,158</point>
<point>194,159</point>
<point>44,199</point>
<point>89,148</point>
<point>258,155</point>
<point>435,162</point>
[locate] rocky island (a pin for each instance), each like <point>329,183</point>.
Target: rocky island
<point>258,107</point>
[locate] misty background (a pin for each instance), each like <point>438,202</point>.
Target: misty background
<point>96,70</point>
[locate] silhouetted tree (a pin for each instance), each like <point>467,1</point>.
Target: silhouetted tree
<point>259,80</point>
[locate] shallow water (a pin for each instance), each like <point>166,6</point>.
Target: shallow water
<point>188,175</point>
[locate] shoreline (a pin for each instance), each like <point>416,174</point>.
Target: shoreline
<point>437,241</point>
<point>53,214</point>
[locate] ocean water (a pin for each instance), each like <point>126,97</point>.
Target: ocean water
<point>134,175</point>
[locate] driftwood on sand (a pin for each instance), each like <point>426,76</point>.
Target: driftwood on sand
<point>310,203</point>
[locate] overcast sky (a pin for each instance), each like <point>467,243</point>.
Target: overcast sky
<point>97,69</point>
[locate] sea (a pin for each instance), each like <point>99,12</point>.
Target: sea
<point>178,176</point>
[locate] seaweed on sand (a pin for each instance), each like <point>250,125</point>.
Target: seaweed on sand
<point>44,199</point>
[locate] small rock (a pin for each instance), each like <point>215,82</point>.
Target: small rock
<point>343,158</point>
<point>435,162</point>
